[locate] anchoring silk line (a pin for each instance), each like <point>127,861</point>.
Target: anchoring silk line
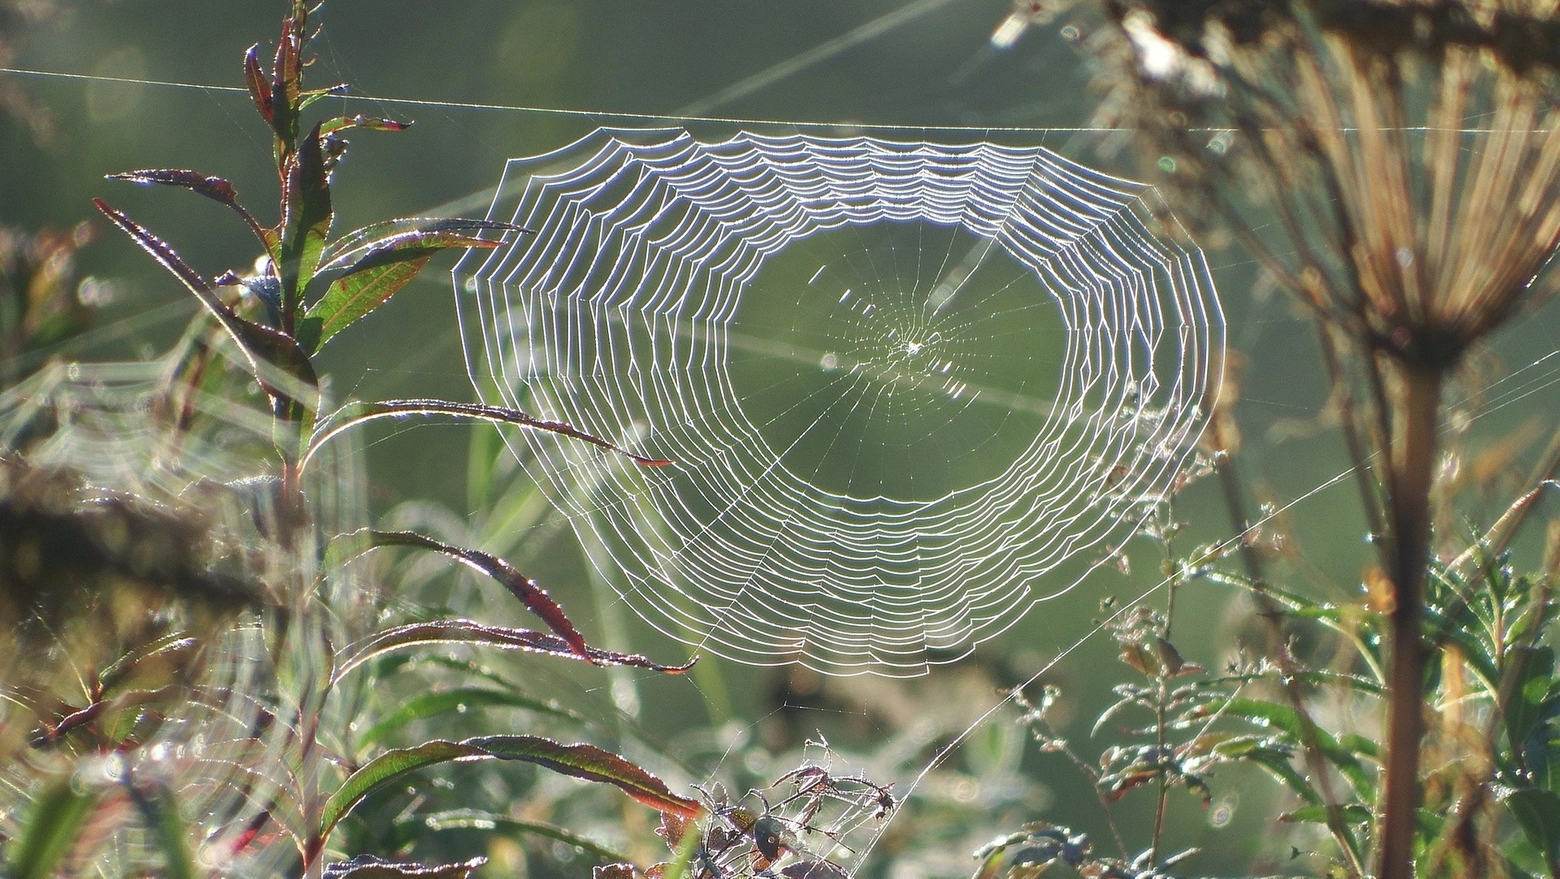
<point>674,118</point>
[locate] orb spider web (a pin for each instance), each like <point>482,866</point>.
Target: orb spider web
<point>902,382</point>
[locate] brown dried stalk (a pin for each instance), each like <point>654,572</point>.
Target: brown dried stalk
<point>1409,152</point>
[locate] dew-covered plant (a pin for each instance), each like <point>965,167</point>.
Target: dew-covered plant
<point>1392,165</point>
<point>1491,795</point>
<point>189,625</point>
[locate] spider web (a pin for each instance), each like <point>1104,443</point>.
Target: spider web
<point>901,382</point>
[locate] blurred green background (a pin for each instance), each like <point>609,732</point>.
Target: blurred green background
<point>473,67</point>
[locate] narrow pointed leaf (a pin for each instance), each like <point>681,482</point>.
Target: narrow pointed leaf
<point>260,344</point>
<point>358,413</point>
<point>591,763</point>
<point>534,597</point>
<point>385,769</point>
<point>1354,813</point>
<point>308,97</point>
<point>160,812</point>
<point>354,295</point>
<point>259,89</point>
<point>457,700</point>
<point>469,632</point>
<point>350,246</point>
<point>306,222</point>
<point>286,75</point>
<point>371,867</point>
<point>582,761</point>
<point>53,821</point>
<point>342,123</point>
<point>369,282</point>
<point>1284,718</point>
<point>469,819</point>
<point>214,188</point>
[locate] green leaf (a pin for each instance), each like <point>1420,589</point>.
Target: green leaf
<point>1284,718</point>
<point>468,632</point>
<point>581,761</point>
<point>354,295</point>
<point>306,219</point>
<point>475,819</point>
<point>161,814</point>
<point>1529,704</point>
<point>308,97</point>
<point>53,822</point>
<point>262,346</point>
<point>457,700</point>
<point>1353,813</point>
<point>1538,814</point>
<point>387,266</point>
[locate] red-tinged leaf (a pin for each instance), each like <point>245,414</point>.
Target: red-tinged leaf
<point>535,598</point>
<point>469,632</point>
<point>352,246</point>
<point>286,76</point>
<point>305,223</point>
<point>358,413</point>
<point>672,828</point>
<point>590,763</point>
<point>370,867</point>
<point>372,123</point>
<point>262,346</point>
<point>613,871</point>
<point>582,761</point>
<point>259,89</point>
<point>214,188</point>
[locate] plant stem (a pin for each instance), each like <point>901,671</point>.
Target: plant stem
<point>1410,512</point>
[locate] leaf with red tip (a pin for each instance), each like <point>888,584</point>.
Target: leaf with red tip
<point>353,245</point>
<point>215,188</point>
<point>373,123</point>
<point>469,632</point>
<point>535,599</point>
<point>260,344</point>
<point>581,761</point>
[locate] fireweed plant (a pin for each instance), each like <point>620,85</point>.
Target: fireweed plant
<point>178,648</point>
